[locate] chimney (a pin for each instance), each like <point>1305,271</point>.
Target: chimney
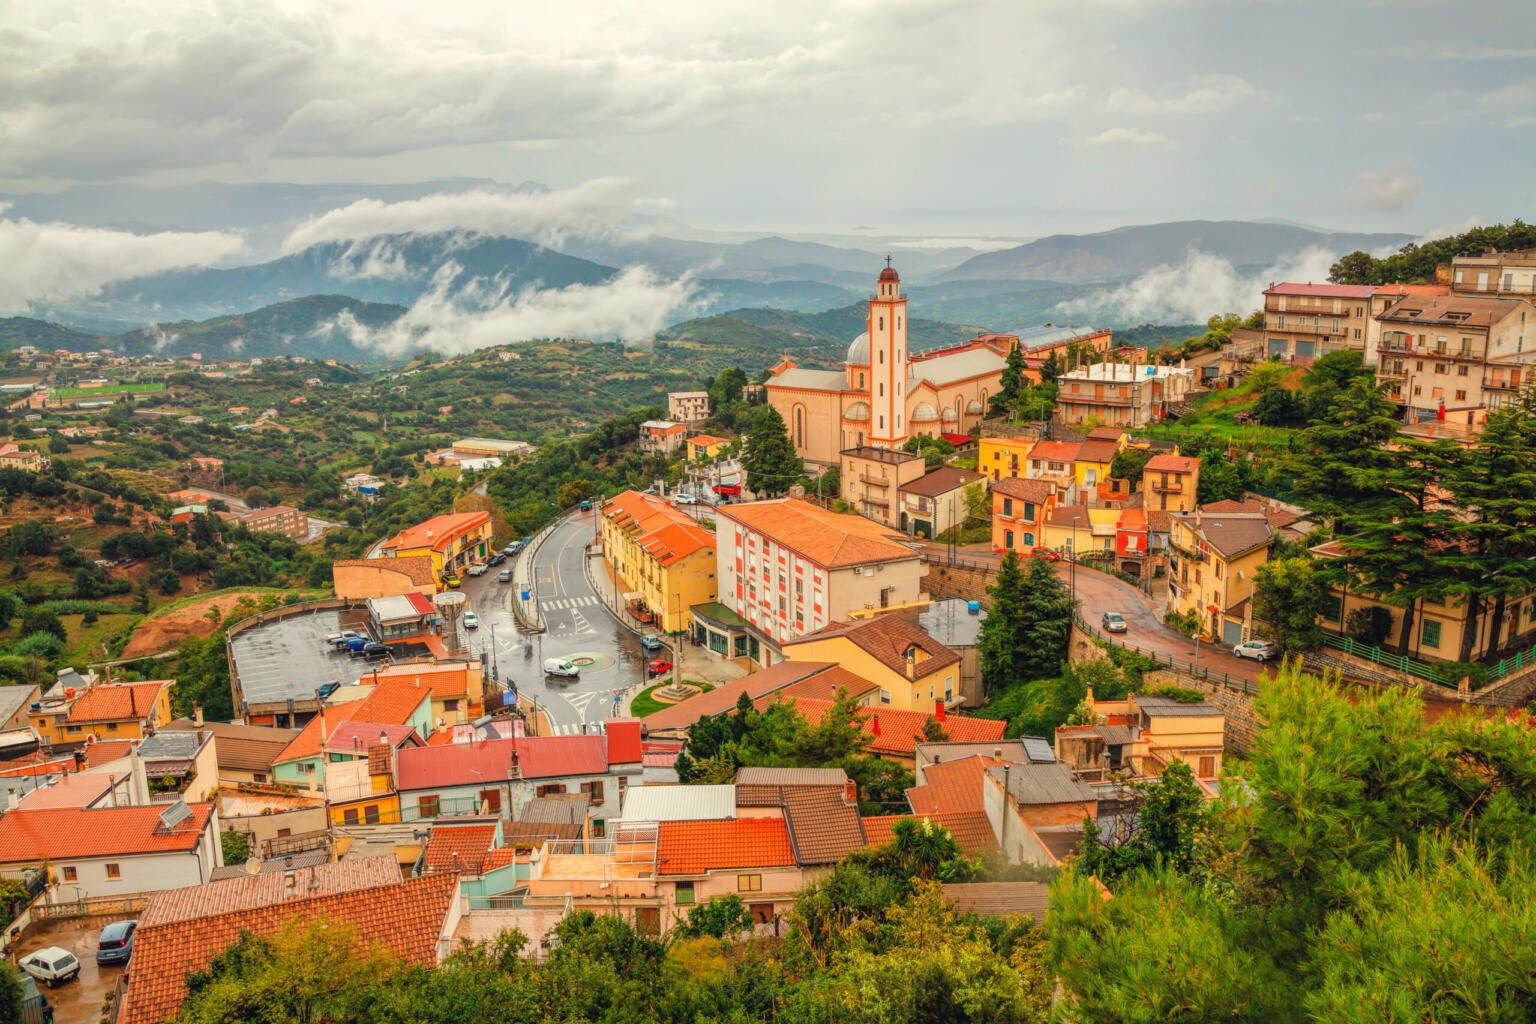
<point>197,715</point>
<point>850,792</point>
<point>939,709</point>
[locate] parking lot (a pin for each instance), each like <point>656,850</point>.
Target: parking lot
<point>78,1001</point>
<point>288,659</point>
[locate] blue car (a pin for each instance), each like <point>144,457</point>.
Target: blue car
<point>115,945</point>
<point>651,642</point>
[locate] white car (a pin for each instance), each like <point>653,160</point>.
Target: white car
<point>51,965</point>
<point>1258,650</point>
<point>478,569</point>
<point>560,667</point>
<point>684,498</point>
<point>471,620</point>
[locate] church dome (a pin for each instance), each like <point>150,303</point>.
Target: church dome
<point>949,416</point>
<point>858,411</point>
<point>889,274</point>
<point>974,408</point>
<point>924,413</point>
<point>858,352</point>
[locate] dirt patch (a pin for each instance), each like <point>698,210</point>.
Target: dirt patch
<point>166,631</point>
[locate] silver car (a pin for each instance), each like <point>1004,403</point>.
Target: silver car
<point>1258,650</point>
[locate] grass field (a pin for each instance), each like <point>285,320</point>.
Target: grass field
<point>110,389</point>
<point>1215,413</point>
<point>644,704</point>
<point>95,642</point>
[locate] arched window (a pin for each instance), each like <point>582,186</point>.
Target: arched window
<point>799,426</point>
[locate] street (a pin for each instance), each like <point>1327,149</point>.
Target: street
<point>577,629</point>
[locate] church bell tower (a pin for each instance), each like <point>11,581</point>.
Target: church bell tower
<point>887,328</point>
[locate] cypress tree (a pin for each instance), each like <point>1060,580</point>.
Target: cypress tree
<point>769,457</point>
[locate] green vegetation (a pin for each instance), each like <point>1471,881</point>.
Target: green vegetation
<point>644,703</point>
<point>146,388</point>
<point>1029,618</point>
<point>1218,331</point>
<point>1417,263</point>
<point>235,846</point>
<point>768,457</point>
<point>1288,597</point>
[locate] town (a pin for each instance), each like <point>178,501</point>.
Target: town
<point>982,619</point>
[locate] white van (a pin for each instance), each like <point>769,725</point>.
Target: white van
<point>560,667</point>
<point>52,965</point>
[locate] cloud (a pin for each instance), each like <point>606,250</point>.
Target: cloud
<point>377,258</point>
<point>1388,188</point>
<point>596,208</point>
<point>1205,94</point>
<point>632,306</point>
<point>1129,137</point>
<point>1194,290</point>
<point>50,261</point>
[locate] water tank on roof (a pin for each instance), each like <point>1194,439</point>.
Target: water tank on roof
<point>1151,371</point>
<point>973,607</point>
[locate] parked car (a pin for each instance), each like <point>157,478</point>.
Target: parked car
<point>340,640</point>
<point>115,944</point>
<point>1049,554</point>
<point>496,559</point>
<point>372,651</point>
<point>505,576</point>
<point>651,642</point>
<point>684,498</point>
<point>324,690</point>
<point>451,581</point>
<point>471,620</point>
<point>52,965</point>
<point>560,667</point>
<point>658,667</point>
<point>1113,622</point>
<point>1258,650</point>
<point>478,569</point>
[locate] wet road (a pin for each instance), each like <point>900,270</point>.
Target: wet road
<point>578,628</point>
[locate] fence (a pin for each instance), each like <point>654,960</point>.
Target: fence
<point>1189,668</point>
<point>1396,662</point>
<point>120,907</point>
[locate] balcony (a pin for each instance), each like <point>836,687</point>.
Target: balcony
<point>874,481</point>
<point>1185,553</point>
<point>1512,382</point>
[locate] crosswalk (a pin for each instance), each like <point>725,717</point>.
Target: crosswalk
<point>562,603</point>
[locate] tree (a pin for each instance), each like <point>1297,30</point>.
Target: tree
<point>235,846</point>
<point>768,456</point>
<point>1288,597</point>
<point>1029,619</point>
<point>1356,268</point>
<point>1011,383</point>
<point>41,620</point>
<point>1370,624</point>
<point>10,993</point>
<point>723,917</point>
<point>1129,463</point>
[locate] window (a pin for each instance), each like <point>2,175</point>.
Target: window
<point>885,696</point>
<point>683,894</point>
<point>1007,506</point>
<point>1430,637</point>
<point>491,799</point>
<point>450,705</point>
<point>552,789</point>
<point>749,883</point>
<point>1461,371</point>
<point>1207,766</point>
<point>426,806</point>
<point>594,789</point>
<point>1461,396</point>
<point>284,833</point>
<point>599,828</point>
<point>259,776</point>
<point>70,874</point>
<point>114,871</point>
<point>1029,511</point>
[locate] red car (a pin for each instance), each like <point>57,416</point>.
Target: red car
<point>658,667</point>
<point>1049,554</point>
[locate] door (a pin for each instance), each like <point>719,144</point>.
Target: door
<point>1232,632</point>
<point>648,920</point>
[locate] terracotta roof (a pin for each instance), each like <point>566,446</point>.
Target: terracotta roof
<point>78,789</point>
<point>1105,434</point>
<point>391,702</point>
<point>243,747</point>
<point>887,638</point>
<point>438,532</point>
<point>406,917</point>
<point>245,891</point>
<point>1037,491</point>
<point>765,787</point>
<point>1412,289</point>
<point>72,833</point>
<point>1055,451</point>
<point>498,858</point>
<point>951,786</point>
<point>444,679</point>
<point>1330,291</point>
<point>1433,310</point>
<point>36,763</point>
<point>666,533</point>
<point>899,731</point>
<point>723,698</point>
<point>533,833</point>
<point>1159,521</point>
<point>971,829</point>
<point>940,481</point>
<point>695,847</point>
<point>106,751</point>
<point>1165,463</point>
<point>256,515</point>
<point>823,826</point>
<point>416,568</point>
<point>1067,515</point>
<point>356,737</point>
<point>826,685</point>
<point>117,702</point>
<point>459,848</point>
<point>1000,899</point>
<point>1096,451</point>
<point>624,743</point>
<point>456,764</point>
<point>704,440</point>
<point>830,539</point>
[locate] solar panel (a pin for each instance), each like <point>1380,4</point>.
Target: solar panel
<point>175,814</point>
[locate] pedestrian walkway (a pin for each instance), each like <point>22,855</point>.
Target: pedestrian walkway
<point>562,603</point>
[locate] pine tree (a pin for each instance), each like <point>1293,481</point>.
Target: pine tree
<point>1048,625</point>
<point>1012,382</point>
<point>1028,624</point>
<point>769,457</point>
<point>998,646</point>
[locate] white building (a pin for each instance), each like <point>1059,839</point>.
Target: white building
<point>98,852</point>
<point>688,406</point>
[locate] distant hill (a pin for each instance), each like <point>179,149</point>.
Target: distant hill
<point>1129,251</point>
<point>16,331</point>
<point>812,338</point>
<point>300,327</point>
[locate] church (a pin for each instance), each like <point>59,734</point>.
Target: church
<point>883,396</point>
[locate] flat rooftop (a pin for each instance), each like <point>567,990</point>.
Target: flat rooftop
<point>890,456</point>
<point>288,659</point>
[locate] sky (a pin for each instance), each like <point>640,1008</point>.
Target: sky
<point>905,117</point>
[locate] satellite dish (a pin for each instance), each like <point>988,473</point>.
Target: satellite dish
<point>253,865</point>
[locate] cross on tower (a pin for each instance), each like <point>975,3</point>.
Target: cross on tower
<point>887,261</point>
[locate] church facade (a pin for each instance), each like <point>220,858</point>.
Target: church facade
<point>884,396</point>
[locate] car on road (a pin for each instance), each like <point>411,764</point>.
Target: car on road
<point>1049,554</point>
<point>1258,650</point>
<point>684,498</point>
<point>651,642</point>
<point>658,667</point>
<point>505,576</point>
<point>324,690</point>
<point>115,944</point>
<point>514,547</point>
<point>340,640</point>
<point>496,559</point>
<point>586,506</point>
<point>451,581</point>
<point>478,569</point>
<point>52,965</point>
<point>560,667</point>
<point>1113,622</point>
<point>471,620</point>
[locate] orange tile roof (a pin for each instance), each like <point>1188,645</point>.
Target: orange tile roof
<point>1099,452</point>
<point>247,892</point>
<point>441,680</point>
<point>407,918</point>
<point>117,702</point>
<point>825,686</point>
<point>1035,490</point>
<point>830,539</point>
<point>951,786</point>
<point>695,847</point>
<point>1055,451</point>
<point>1165,463</point>
<point>392,702</point>
<point>899,731</point>
<point>107,751</point>
<point>459,848</point>
<point>438,532</point>
<point>887,638</point>
<point>63,833</point>
<point>971,829</point>
<point>665,532</point>
<point>704,440</point>
<point>416,568</point>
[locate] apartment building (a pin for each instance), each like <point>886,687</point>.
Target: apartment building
<point>1128,395</point>
<point>452,541</point>
<point>787,568</point>
<point>664,561</point>
<point>1212,558</point>
<point>662,437</point>
<point>1503,274</point>
<point>1453,357</point>
<point>1304,321</point>
<point>289,522</point>
<point>688,406</point>
<point>871,477</point>
<point>935,502</point>
<point>1169,483</point>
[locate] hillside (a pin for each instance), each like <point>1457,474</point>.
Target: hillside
<point>16,331</point>
<point>1129,251</point>
<point>301,327</point>
<point>814,338</point>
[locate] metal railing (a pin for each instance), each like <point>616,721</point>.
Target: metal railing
<point>1396,662</point>
<point>1190,668</point>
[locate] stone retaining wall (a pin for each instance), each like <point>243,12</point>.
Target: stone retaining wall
<point>966,582</point>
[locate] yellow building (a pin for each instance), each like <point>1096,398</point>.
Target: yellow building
<point>663,559</point>
<point>105,711</point>
<point>452,541</point>
<point>999,458</point>
<point>1212,559</point>
<point>1081,529</point>
<point>1094,458</point>
<point>1169,483</point>
<point>911,668</point>
<point>360,759</point>
<point>705,446</point>
<point>1142,735</point>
